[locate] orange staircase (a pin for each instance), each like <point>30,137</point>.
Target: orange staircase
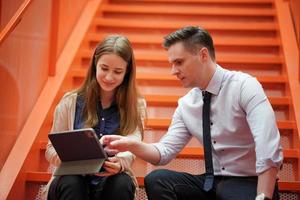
<point>247,38</point>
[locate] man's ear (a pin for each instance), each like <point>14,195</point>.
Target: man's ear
<point>203,53</point>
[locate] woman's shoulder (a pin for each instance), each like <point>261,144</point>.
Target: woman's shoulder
<point>68,98</point>
<point>142,102</point>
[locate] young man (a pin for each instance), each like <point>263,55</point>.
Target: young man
<point>239,134</point>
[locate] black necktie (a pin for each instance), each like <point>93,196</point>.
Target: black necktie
<point>209,169</point>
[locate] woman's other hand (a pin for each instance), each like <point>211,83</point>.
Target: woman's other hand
<point>112,166</point>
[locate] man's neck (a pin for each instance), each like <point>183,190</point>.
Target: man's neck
<point>211,69</point>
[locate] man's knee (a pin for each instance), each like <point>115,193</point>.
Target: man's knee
<point>158,180</point>
<point>237,188</point>
<point>154,176</point>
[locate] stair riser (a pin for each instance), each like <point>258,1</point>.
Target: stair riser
<point>188,3</point>
<point>186,17</point>
<point>165,31</point>
<point>239,49</point>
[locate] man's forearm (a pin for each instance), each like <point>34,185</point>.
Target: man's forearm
<point>266,182</point>
<point>146,152</point>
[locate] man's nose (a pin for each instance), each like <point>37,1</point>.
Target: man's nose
<point>174,70</point>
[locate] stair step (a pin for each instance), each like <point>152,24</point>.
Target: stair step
<point>180,10</point>
<point>41,177</point>
<point>197,152</point>
<point>187,153</point>
<point>157,25</point>
<point>166,79</point>
<point>161,56</point>
<point>163,124</point>
<point>224,58</point>
<point>171,100</point>
<point>157,39</point>
<point>200,1</point>
<point>44,177</point>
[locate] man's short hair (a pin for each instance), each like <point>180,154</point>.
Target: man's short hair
<point>193,38</point>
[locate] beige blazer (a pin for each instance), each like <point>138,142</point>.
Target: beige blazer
<point>64,120</point>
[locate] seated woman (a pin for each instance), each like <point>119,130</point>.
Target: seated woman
<point>107,101</point>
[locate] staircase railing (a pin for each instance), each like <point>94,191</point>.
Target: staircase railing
<point>17,17</point>
<point>294,6</point>
<point>291,56</point>
<point>14,21</point>
<point>23,144</point>
<point>12,168</point>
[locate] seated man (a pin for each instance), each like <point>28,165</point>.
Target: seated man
<point>229,113</point>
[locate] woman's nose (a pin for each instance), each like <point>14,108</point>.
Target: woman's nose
<point>109,77</point>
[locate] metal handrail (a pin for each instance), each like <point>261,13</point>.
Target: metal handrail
<point>14,21</point>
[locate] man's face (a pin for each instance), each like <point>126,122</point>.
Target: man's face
<point>186,65</point>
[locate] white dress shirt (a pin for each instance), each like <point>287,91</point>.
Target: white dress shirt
<point>244,135</point>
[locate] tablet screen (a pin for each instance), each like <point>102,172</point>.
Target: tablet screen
<point>80,144</point>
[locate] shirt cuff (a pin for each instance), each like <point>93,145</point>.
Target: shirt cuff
<point>161,151</point>
<point>265,164</point>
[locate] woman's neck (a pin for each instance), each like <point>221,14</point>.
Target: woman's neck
<point>107,98</point>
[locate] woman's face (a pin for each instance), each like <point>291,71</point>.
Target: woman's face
<point>110,72</point>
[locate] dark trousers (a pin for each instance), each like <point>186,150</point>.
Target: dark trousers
<point>165,184</point>
<point>77,187</point>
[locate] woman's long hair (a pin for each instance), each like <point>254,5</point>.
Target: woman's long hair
<point>126,95</point>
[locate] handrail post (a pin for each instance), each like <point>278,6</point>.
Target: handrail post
<point>53,37</point>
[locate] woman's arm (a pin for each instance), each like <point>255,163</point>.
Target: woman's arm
<point>60,123</point>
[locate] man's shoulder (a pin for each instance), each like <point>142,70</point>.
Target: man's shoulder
<point>191,96</point>
<point>236,81</point>
<point>237,76</point>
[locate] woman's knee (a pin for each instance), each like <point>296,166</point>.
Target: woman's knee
<point>74,182</point>
<point>119,186</point>
<point>68,187</point>
<point>120,181</point>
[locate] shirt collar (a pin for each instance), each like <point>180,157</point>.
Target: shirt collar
<point>214,84</point>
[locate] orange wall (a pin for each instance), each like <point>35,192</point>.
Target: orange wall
<point>24,68</point>
<point>69,12</point>
<point>24,61</point>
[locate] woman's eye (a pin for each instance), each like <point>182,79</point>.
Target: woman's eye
<point>104,69</point>
<point>118,72</point>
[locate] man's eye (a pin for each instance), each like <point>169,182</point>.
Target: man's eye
<point>178,63</point>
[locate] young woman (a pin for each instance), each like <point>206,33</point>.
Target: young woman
<point>107,101</point>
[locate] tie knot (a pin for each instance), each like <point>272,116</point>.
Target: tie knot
<point>206,95</point>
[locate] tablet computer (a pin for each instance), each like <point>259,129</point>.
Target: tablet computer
<point>79,150</point>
